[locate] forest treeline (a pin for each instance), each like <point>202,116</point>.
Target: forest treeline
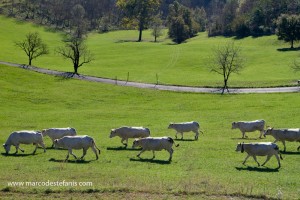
<point>239,18</point>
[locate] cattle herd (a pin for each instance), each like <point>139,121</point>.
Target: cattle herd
<point>67,138</point>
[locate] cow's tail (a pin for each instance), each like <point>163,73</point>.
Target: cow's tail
<point>172,141</point>
<point>96,147</point>
<point>277,149</point>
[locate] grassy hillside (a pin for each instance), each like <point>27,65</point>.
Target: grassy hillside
<point>200,169</point>
<point>117,54</point>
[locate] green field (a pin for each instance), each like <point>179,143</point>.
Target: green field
<point>116,54</point>
<point>209,168</point>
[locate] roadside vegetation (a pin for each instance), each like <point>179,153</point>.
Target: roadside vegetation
<point>204,168</point>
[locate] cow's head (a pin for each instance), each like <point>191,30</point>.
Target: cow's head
<point>171,125</point>
<point>44,132</point>
<point>240,147</point>
<point>112,133</point>
<point>7,148</point>
<point>233,125</point>
<point>136,143</point>
<point>56,143</point>
<point>268,131</point>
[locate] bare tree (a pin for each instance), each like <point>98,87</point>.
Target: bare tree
<point>227,60</point>
<point>76,50</point>
<point>33,46</point>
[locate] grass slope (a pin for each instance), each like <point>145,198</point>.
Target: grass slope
<point>116,54</point>
<point>207,168</point>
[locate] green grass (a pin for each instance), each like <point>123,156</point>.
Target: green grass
<point>117,54</point>
<point>208,168</point>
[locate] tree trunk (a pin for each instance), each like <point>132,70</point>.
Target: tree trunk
<point>140,34</point>
<point>292,44</point>
<point>29,63</point>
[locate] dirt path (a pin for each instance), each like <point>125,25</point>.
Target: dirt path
<point>153,86</point>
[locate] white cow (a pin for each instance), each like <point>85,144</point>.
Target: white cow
<point>185,127</point>
<point>126,132</point>
<point>24,137</point>
<point>249,126</point>
<point>155,144</point>
<point>77,142</point>
<point>260,149</point>
<point>57,133</point>
<point>291,135</point>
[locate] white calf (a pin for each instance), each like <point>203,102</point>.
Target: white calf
<point>24,137</point>
<point>291,135</point>
<point>260,149</point>
<point>77,142</point>
<point>126,132</point>
<point>155,144</point>
<point>249,126</point>
<point>185,127</point>
<point>57,133</point>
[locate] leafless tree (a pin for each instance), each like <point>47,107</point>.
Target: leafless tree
<point>227,60</point>
<point>33,46</point>
<point>76,50</point>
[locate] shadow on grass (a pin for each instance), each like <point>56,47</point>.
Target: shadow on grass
<point>70,161</point>
<point>123,41</point>
<point>19,154</point>
<point>247,138</point>
<point>290,152</point>
<point>162,162</point>
<point>257,169</point>
<point>288,49</point>
<point>121,149</point>
<point>185,140</point>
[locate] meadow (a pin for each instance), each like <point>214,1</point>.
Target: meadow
<point>208,168</point>
<point>117,54</point>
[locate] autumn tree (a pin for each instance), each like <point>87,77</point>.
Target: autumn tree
<point>33,46</point>
<point>139,11</point>
<point>226,61</point>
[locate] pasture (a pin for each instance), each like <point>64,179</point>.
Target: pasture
<point>208,168</point>
<point>267,60</point>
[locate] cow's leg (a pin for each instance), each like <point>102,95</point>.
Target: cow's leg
<point>176,134</point>
<point>246,159</point>
<point>171,153</point>
<point>67,156</point>
<point>140,153</point>
<point>70,152</point>
<point>123,141</point>
<point>283,142</point>
<point>254,157</point>
<point>268,158</point>
<point>36,146</point>
<point>244,134</point>
<point>95,151</point>
<point>182,135</point>
<point>196,135</point>
<point>43,145</point>
<point>278,160</point>
<point>261,134</point>
<point>153,154</point>
<point>17,148</point>
<point>83,154</point>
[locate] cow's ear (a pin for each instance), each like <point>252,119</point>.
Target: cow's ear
<point>55,141</point>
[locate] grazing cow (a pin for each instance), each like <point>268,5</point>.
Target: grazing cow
<point>24,137</point>
<point>291,135</point>
<point>260,149</point>
<point>185,127</point>
<point>126,132</point>
<point>77,142</point>
<point>155,144</point>
<point>57,133</point>
<point>249,126</point>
